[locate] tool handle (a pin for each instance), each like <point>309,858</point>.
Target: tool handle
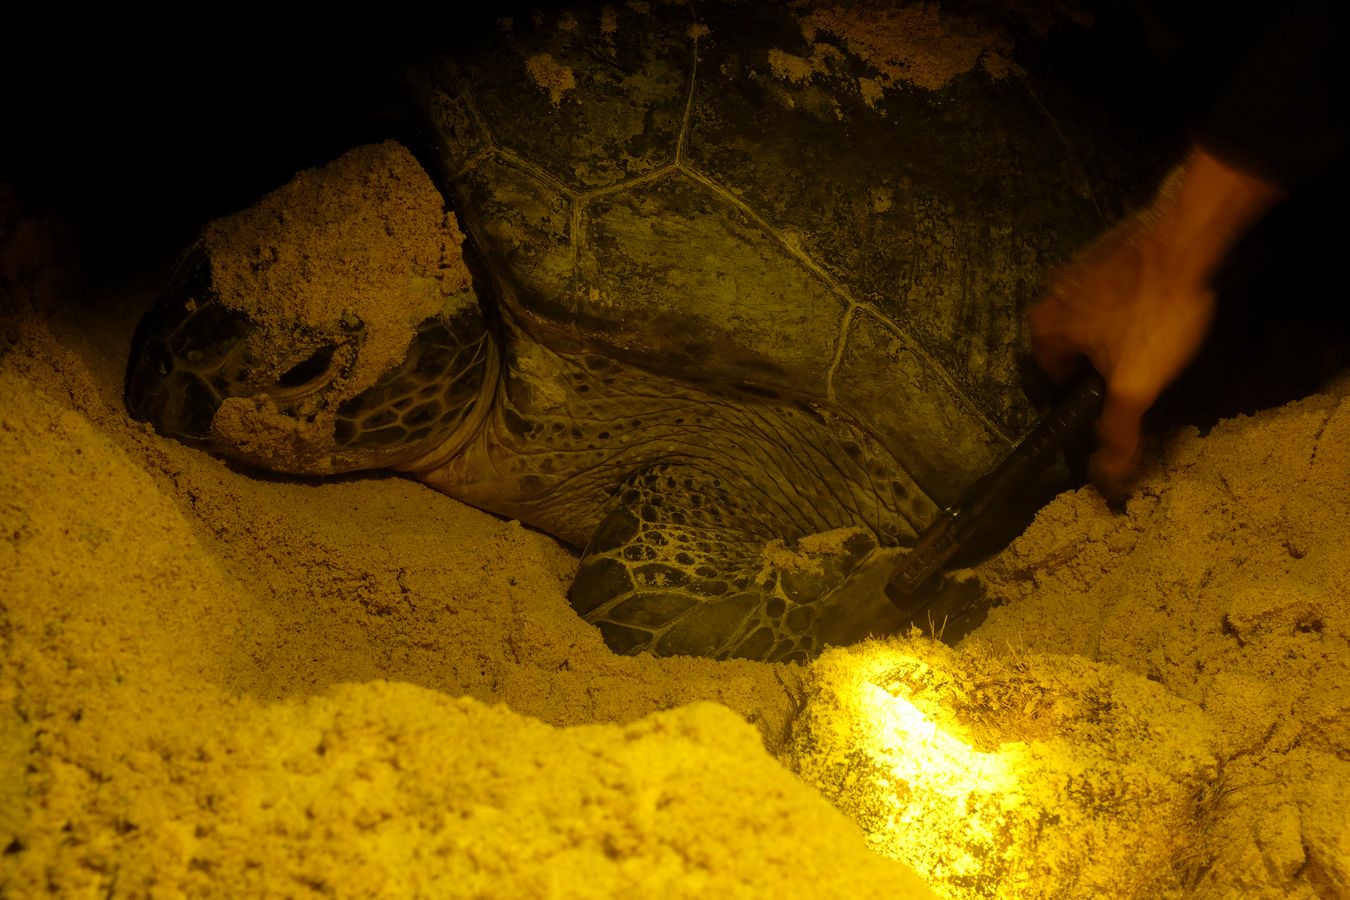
<point>1050,434</point>
<point>955,524</point>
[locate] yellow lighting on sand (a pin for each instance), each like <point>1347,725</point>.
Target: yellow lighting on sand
<point>947,765</point>
<point>1007,774</point>
<point>937,781</point>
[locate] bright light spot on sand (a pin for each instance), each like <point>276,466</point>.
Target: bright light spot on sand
<point>931,782</point>
<point>1007,775</point>
<point>925,754</point>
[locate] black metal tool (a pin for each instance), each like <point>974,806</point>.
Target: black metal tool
<point>955,525</point>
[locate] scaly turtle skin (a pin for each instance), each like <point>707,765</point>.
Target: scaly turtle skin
<point>746,314</point>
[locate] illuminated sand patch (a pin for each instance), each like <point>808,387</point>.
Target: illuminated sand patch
<point>1009,776</point>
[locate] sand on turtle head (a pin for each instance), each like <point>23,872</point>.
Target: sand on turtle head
<point>365,237</point>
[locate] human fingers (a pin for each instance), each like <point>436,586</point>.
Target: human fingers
<point>1119,437</point>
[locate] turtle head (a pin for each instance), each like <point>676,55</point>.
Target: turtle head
<point>362,390</point>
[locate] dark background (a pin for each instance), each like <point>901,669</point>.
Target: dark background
<point>203,118</point>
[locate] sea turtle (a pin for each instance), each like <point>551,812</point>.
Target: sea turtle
<point>745,308</point>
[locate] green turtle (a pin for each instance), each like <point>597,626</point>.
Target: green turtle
<point>742,311</point>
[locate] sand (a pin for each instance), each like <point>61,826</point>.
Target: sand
<point>345,689</point>
<point>1226,581</point>
<point>215,683</point>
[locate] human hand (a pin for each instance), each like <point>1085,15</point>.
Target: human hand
<point>1136,304</point>
<point>1121,308</point>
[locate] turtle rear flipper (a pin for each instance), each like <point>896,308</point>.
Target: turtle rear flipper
<point>684,565</point>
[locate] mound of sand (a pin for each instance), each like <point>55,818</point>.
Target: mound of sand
<point>213,682</point>
<point>1019,775</point>
<point>180,722</point>
<point>1226,581</point>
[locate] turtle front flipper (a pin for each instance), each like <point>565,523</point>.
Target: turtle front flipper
<point>685,564</point>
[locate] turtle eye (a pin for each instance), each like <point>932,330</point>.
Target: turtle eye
<point>308,369</point>
<point>351,323</point>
